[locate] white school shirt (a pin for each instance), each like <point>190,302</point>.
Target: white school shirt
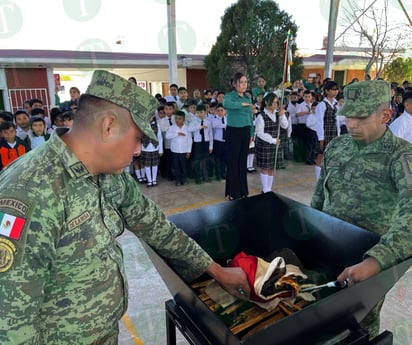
<point>311,121</point>
<point>302,107</point>
<point>195,126</point>
<point>291,109</point>
<point>402,126</point>
<point>159,146</point>
<point>218,128</point>
<point>170,98</point>
<point>260,126</point>
<point>320,114</point>
<point>189,118</point>
<point>178,143</point>
<point>164,125</point>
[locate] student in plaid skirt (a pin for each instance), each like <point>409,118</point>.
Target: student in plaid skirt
<point>151,153</point>
<point>326,123</point>
<point>266,138</point>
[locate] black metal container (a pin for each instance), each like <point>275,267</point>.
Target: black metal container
<point>259,225</point>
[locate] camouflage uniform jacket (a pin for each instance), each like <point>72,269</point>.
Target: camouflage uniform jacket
<point>62,279</point>
<point>370,186</point>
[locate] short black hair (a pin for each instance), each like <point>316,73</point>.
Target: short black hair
<point>200,107</point>
<point>6,116</point>
<point>170,104</point>
<point>37,111</point>
<point>7,125</point>
<point>173,85</point>
<point>339,96</point>
<point>180,113</point>
<point>35,100</point>
<point>330,84</point>
<point>55,113</point>
<point>407,97</point>
<point>21,111</point>
<point>189,102</point>
<point>162,100</point>
<point>68,115</point>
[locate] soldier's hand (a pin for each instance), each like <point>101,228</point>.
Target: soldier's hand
<point>361,271</point>
<point>321,145</point>
<point>232,279</point>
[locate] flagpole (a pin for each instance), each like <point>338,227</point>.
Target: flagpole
<point>285,78</point>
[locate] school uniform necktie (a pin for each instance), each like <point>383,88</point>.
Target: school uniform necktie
<point>223,129</point>
<point>202,132</point>
<point>170,121</point>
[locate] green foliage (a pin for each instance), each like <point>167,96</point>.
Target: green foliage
<point>251,41</point>
<point>398,70</point>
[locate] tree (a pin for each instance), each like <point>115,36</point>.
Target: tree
<point>381,38</point>
<point>251,41</point>
<point>398,70</point>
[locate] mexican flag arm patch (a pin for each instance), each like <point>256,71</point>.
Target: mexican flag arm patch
<point>11,226</point>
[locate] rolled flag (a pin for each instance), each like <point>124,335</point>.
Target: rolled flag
<point>269,280</point>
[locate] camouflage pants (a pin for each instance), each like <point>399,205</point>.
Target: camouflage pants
<point>372,320</point>
<point>111,338</point>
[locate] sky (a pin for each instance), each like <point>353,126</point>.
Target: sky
<point>141,25</point>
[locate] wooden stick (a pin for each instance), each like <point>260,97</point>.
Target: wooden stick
<point>254,316</point>
<point>201,284</point>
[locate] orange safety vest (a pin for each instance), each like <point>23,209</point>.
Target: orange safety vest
<point>8,155</point>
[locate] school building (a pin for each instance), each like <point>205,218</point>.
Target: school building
<point>27,74</point>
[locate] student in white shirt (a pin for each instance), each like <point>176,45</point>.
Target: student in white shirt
<point>180,146</point>
<point>201,128</point>
<point>266,138</point>
<point>219,142</point>
<point>402,126</point>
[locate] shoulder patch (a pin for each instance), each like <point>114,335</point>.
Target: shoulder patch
<point>7,250</point>
<point>407,166</point>
<point>74,223</point>
<point>15,205</point>
<point>11,226</point>
<point>408,162</point>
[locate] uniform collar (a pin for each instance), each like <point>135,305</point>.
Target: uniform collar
<point>74,167</point>
<point>383,144</point>
<point>267,112</point>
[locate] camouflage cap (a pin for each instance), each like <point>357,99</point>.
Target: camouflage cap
<point>119,91</point>
<point>364,98</point>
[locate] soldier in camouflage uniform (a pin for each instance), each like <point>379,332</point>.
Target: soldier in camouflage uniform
<point>62,279</point>
<point>366,179</point>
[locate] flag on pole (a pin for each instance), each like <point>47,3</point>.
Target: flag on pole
<point>288,58</point>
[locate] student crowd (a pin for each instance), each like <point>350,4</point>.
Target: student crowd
<point>191,130</point>
<point>29,127</point>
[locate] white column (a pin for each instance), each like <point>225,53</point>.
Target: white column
<point>171,35</point>
<point>333,16</point>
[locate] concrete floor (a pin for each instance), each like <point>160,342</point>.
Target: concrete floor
<point>144,322</point>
